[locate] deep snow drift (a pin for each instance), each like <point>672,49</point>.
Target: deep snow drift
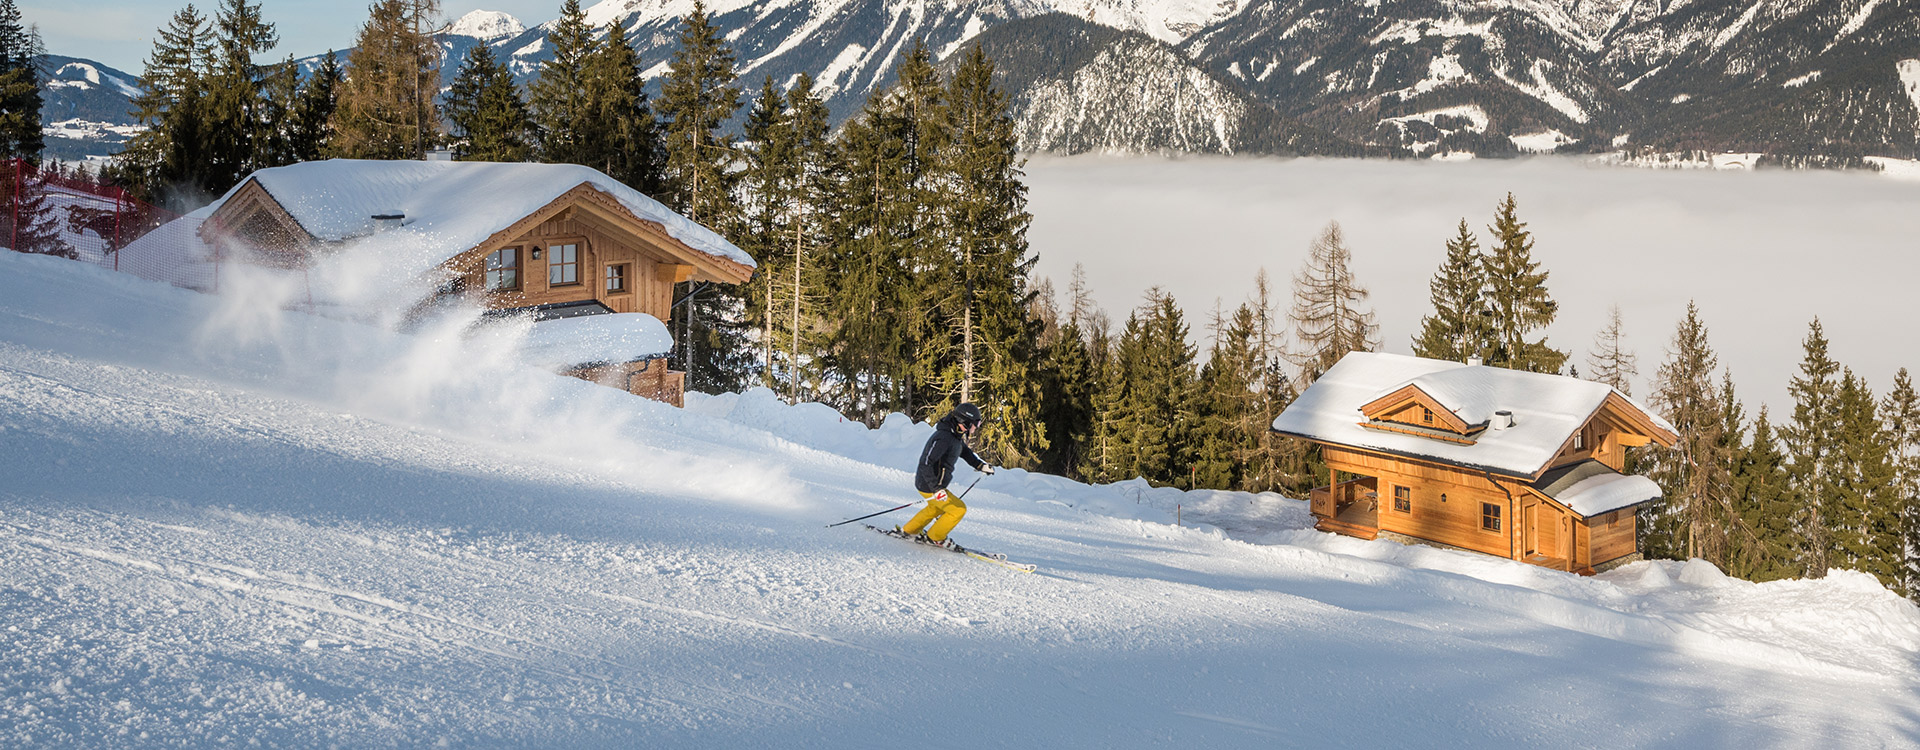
<point>221,523</point>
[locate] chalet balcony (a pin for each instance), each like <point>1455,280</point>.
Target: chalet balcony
<point>1351,508</point>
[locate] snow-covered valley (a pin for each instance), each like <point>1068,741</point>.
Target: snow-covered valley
<point>225,524</point>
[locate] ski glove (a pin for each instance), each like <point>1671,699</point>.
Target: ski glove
<point>986,469</point>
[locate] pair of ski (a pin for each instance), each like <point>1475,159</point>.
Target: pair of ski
<point>992,557</point>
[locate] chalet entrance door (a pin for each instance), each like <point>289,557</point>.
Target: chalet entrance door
<point>1529,529</point>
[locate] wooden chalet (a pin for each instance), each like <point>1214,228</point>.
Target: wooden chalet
<point>556,241</point>
<point>1521,465</point>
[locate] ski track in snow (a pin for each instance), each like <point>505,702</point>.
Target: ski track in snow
<point>217,545</point>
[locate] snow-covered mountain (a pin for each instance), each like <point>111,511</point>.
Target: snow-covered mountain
<point>1767,75</point>
<point>227,523</point>
<point>86,108</point>
<point>1080,87</point>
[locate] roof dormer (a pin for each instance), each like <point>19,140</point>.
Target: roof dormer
<point>1412,410</point>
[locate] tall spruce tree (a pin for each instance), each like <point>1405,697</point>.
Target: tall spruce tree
<point>1155,409</point>
<point>279,100</point>
<point>1764,501</point>
<point>767,190</point>
<point>167,160</point>
<point>1229,391</point>
<point>490,122</point>
<point>237,106</point>
<point>387,99</point>
<point>560,99</point>
<point>626,143</point>
<point>1458,328</point>
<point>1809,436</point>
<point>985,219</point>
<point>1517,295</point>
<point>868,263</point>
<point>1901,414</point>
<point>1863,520</point>
<point>697,98</point>
<point>20,101</point>
<point>1695,474</point>
<point>1327,316</point>
<point>311,131</point>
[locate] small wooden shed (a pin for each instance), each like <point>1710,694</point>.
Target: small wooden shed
<point>1522,465</point>
<point>553,240</point>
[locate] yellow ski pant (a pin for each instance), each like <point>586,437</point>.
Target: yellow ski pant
<point>942,506</point>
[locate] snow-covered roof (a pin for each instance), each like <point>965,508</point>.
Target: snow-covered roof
<point>1591,488</point>
<point>592,340</point>
<point>1547,409</point>
<point>450,206</point>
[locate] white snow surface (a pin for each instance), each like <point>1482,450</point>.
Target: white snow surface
<point>450,206</point>
<point>223,524</point>
<point>616,338</point>
<point>1547,409</point>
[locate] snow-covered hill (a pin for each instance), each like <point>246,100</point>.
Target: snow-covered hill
<point>224,524</point>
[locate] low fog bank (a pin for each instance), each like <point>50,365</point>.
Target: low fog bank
<point>1762,253</point>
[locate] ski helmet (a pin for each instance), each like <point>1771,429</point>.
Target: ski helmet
<point>967,414</point>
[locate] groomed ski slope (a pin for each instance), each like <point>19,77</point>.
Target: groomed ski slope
<point>221,524</point>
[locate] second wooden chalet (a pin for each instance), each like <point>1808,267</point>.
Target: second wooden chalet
<point>555,241</point>
<point>1522,465</point>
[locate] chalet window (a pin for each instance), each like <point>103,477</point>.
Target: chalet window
<point>617,278</point>
<point>1403,499</point>
<point>1580,441</point>
<point>1490,516</point>
<point>1426,415</point>
<point>503,269</point>
<point>563,264</point>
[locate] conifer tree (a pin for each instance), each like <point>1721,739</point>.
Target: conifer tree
<point>237,102</point>
<point>1695,474</point>
<point>1517,295</point>
<point>625,144</point>
<point>1862,517</point>
<point>20,101</point>
<point>1765,502</point>
<point>490,122</point>
<point>1229,393</point>
<point>1458,327</point>
<point>387,98</point>
<point>310,133</point>
<point>31,225</point>
<point>167,159</point>
<point>816,183</point>
<point>767,187</point>
<point>1808,437</point>
<point>1101,458</point>
<point>1326,314</point>
<point>560,98</point>
<point>1900,412</point>
<point>868,263</point>
<point>985,219</point>
<point>279,100</point>
<point>1610,363</point>
<point>1154,419</point>
<point>696,100</point>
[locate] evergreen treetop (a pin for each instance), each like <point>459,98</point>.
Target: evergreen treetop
<point>1517,295</point>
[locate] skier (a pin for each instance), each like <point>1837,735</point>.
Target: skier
<point>936,470</point>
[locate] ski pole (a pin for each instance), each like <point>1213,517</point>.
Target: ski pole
<point>963,493</point>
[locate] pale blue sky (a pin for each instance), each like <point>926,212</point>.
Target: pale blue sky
<point>120,33</point>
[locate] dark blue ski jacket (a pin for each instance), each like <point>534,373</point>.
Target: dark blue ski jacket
<point>936,460</point>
